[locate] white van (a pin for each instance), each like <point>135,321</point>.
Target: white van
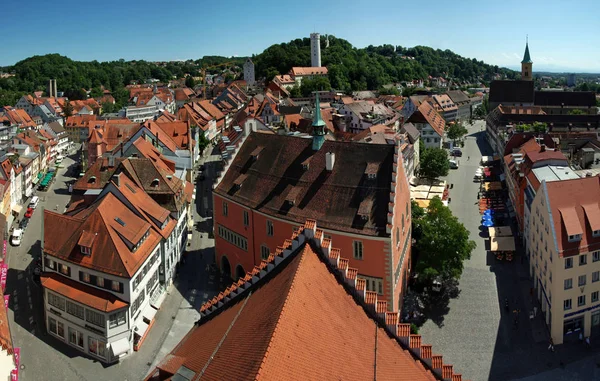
<point>35,200</point>
<point>16,237</point>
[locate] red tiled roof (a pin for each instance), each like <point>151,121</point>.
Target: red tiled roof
<point>300,71</point>
<point>301,323</point>
<point>569,201</point>
<point>110,253</point>
<point>432,117</point>
<point>149,151</point>
<point>90,296</point>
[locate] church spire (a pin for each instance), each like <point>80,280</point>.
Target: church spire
<point>526,57</point>
<point>318,126</point>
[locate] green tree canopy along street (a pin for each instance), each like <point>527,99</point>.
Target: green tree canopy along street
<point>433,163</point>
<point>443,242</point>
<point>456,131</point>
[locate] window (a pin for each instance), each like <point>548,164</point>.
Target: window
<point>568,283</point>
<point>232,237</point>
<point>116,286</point>
<point>373,284</point>
<point>117,319</point>
<point>246,218</point>
<point>50,264</point>
<point>56,327</point>
<point>596,256</point>
<point>97,347</point>
<point>56,301</point>
<point>269,228</point>
<point>568,263</point>
<point>358,250</point>
<point>137,302</point>
<point>594,296</point>
<point>595,276</point>
<point>95,318</point>
<point>66,270</point>
<point>85,277</point>
<point>582,259</point>
<point>75,337</point>
<point>567,304</point>
<point>574,238</point>
<point>86,250</point>
<point>398,235</point>
<point>225,209</point>
<point>152,282</point>
<point>264,252</point>
<point>596,233</point>
<point>75,309</point>
<point>100,281</point>
<point>581,301</point>
<point>581,281</point>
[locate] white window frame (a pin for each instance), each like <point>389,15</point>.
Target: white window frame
<point>264,252</point>
<point>99,345</point>
<point>568,283</point>
<point>567,304</point>
<point>78,337</point>
<point>358,250</point>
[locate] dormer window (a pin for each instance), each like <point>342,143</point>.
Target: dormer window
<point>596,233</point>
<point>575,238</point>
<point>92,180</point>
<point>155,183</point>
<point>86,250</point>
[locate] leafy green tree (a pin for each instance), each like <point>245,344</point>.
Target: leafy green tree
<point>433,163</point>
<point>309,86</point>
<point>108,107</point>
<point>96,92</point>
<point>190,82</point>
<point>203,142</point>
<point>271,73</point>
<point>576,112</point>
<point>295,92</point>
<point>68,109</point>
<point>389,91</point>
<point>444,243</point>
<point>456,131</point>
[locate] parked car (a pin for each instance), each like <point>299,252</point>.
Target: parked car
<point>456,152</point>
<point>29,213</point>
<point>35,200</point>
<point>16,237</point>
<point>453,164</point>
<point>23,224</point>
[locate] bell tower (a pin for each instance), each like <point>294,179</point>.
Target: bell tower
<point>526,64</point>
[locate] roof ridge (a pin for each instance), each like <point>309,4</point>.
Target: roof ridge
<point>347,278</point>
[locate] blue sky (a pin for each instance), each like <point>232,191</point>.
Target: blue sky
<point>563,36</point>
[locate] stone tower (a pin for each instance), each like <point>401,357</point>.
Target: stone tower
<point>315,50</point>
<point>249,72</point>
<point>526,65</point>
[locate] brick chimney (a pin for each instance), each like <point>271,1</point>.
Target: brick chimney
<point>542,147</point>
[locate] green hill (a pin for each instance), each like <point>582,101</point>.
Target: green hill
<point>374,66</point>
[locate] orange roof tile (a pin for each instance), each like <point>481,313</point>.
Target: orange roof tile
<point>298,323</point>
<point>114,224</point>
<point>90,296</point>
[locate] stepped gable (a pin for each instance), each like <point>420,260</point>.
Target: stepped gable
<point>301,315</point>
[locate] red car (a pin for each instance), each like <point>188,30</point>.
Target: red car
<point>29,213</point>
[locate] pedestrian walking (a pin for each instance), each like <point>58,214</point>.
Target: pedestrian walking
<point>551,346</point>
<point>580,336</point>
<point>587,342</point>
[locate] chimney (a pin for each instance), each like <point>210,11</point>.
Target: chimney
<point>55,90</point>
<point>542,147</point>
<point>50,88</point>
<point>329,161</point>
<point>121,149</point>
<point>156,142</point>
<point>111,161</point>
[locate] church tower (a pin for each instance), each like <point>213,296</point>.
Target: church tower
<point>526,65</point>
<point>315,50</point>
<point>318,126</point>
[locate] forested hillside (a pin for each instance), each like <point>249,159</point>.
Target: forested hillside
<point>372,67</point>
<point>33,73</point>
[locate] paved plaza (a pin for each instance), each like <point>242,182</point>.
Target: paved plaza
<point>474,332</point>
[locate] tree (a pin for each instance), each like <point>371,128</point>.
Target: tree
<point>389,91</point>
<point>96,92</point>
<point>456,131</point>
<point>108,107</point>
<point>576,112</point>
<point>483,108</point>
<point>444,243</point>
<point>295,92</point>
<point>203,142</point>
<point>309,86</point>
<point>68,109</point>
<point>190,82</point>
<point>433,163</point>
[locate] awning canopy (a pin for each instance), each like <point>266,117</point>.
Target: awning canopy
<point>501,231</point>
<point>502,244</point>
<point>35,180</point>
<point>17,208</point>
<point>149,313</point>
<point>140,328</point>
<point>119,347</point>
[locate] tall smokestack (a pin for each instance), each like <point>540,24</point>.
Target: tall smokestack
<point>50,88</point>
<point>55,90</point>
